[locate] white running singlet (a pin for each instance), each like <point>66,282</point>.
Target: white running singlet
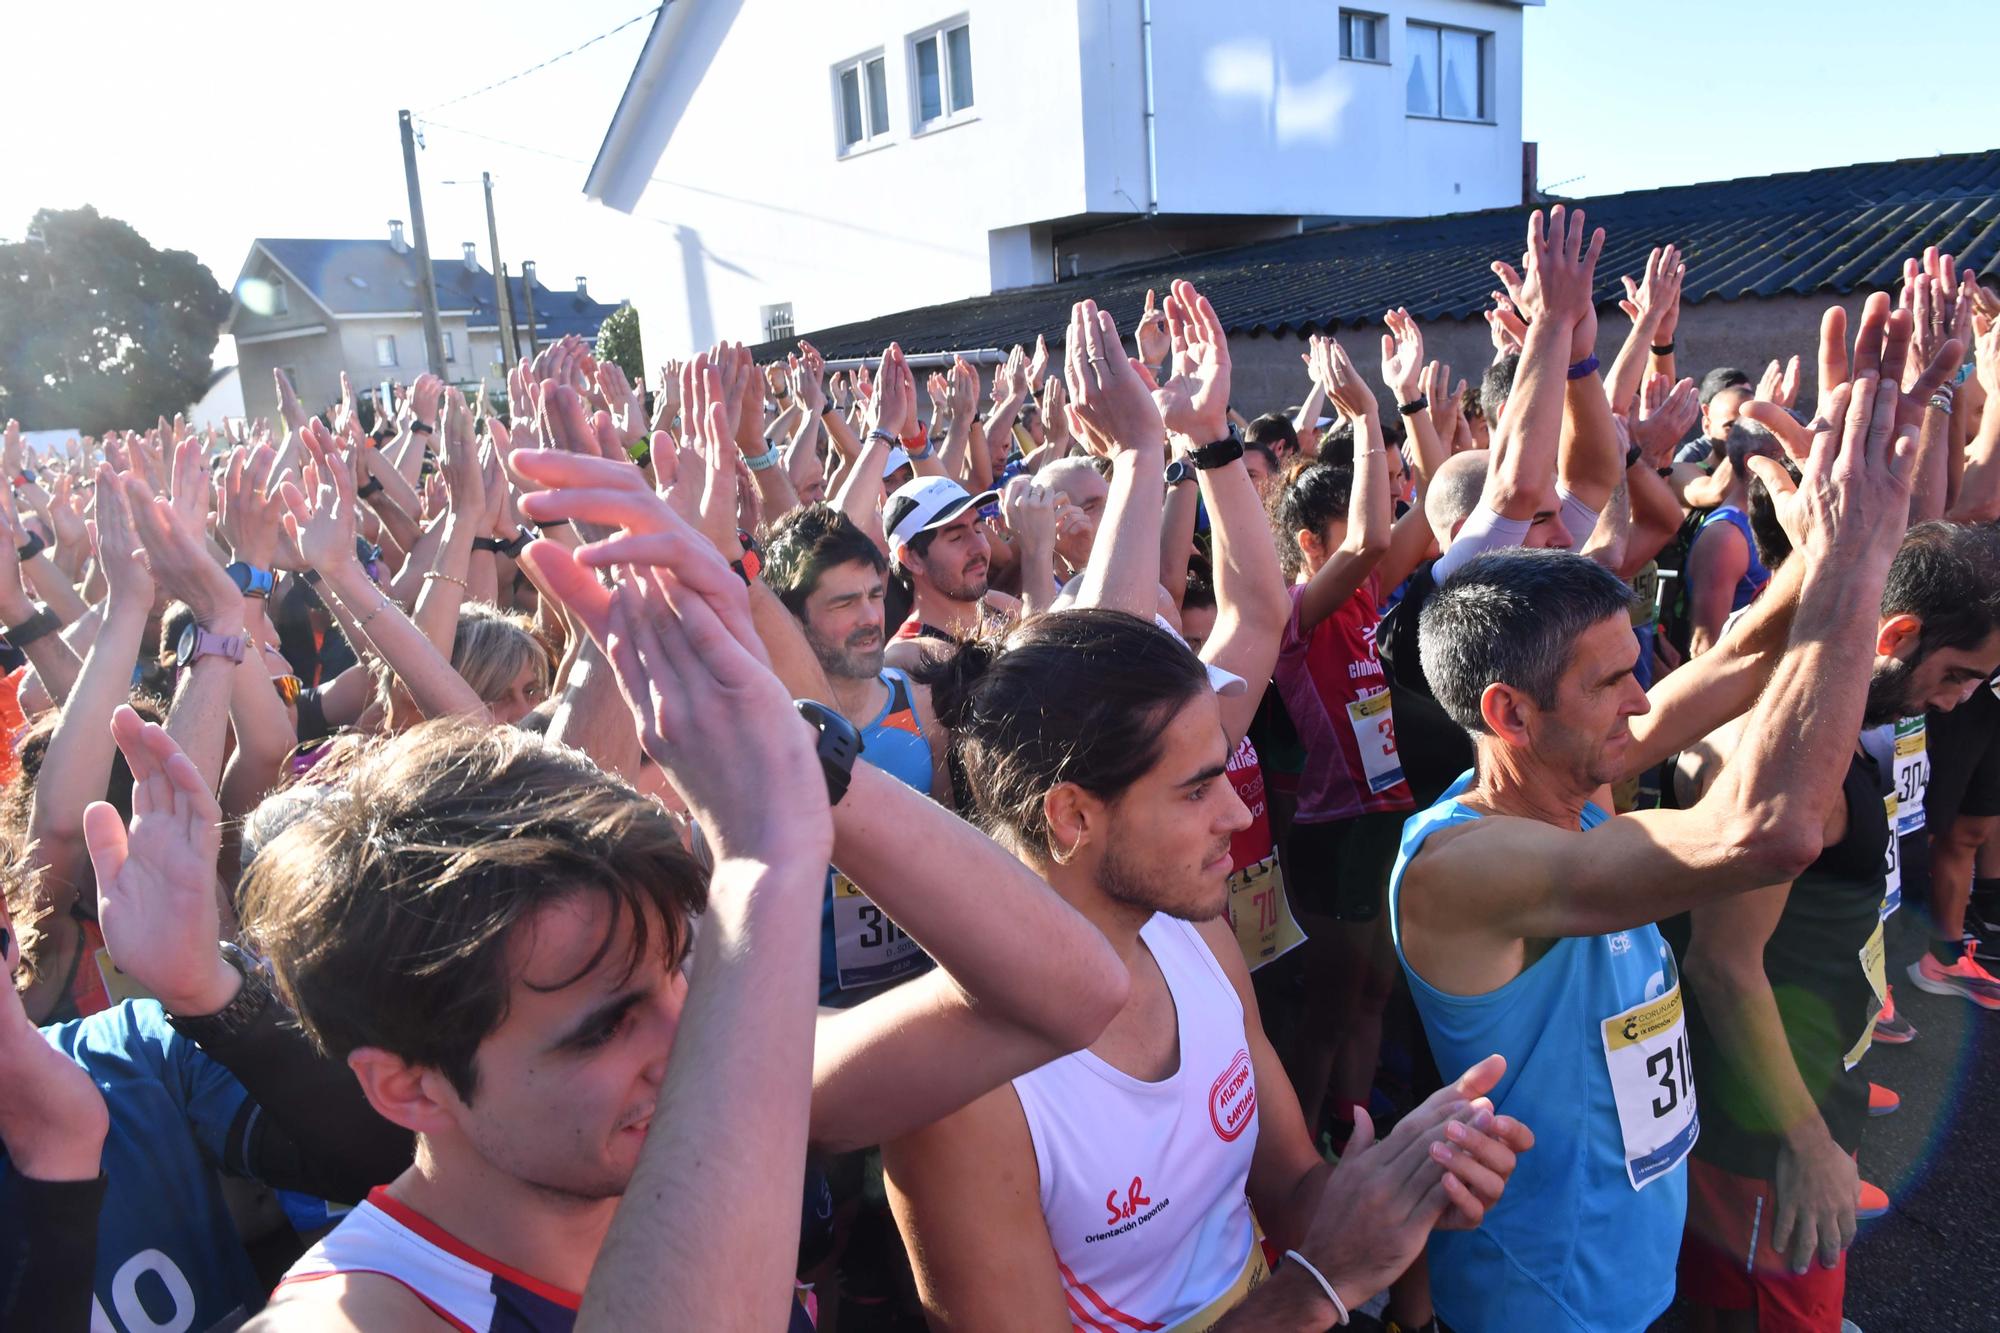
<point>1142,1184</point>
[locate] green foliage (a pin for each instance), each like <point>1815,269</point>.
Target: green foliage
<point>618,343</point>
<point>100,329</point>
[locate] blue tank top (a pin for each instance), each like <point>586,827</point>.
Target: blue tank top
<point>1588,1232</point>
<point>1756,576</point>
<point>861,951</point>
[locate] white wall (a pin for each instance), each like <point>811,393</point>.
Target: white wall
<point>224,399</point>
<point>752,205</point>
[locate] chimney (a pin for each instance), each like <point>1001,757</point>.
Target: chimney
<point>471,256</point>
<point>396,241</point>
<point>583,287</point>
<point>1531,174</point>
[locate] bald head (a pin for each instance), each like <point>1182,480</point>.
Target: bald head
<point>1454,493</point>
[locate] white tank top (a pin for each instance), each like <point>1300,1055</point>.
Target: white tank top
<point>469,1290</point>
<point>1142,1184</point>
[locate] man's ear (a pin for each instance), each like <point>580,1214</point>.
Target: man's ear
<point>1505,711</point>
<point>417,1098</point>
<point>1897,637</point>
<point>1075,817</point>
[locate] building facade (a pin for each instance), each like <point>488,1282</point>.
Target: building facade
<point>816,165</point>
<point>315,308</point>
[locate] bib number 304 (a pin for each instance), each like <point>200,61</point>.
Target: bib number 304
<point>1646,1052</point>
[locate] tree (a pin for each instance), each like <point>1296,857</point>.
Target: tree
<point>618,343</point>
<point>100,329</point>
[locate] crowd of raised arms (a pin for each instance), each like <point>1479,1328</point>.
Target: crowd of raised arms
<point>758,854</point>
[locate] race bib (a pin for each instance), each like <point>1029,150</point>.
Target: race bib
<point>1375,736</point>
<point>1874,968</point>
<point>1261,915</point>
<point>868,948</point>
<point>1913,776</point>
<point>1646,1050</point>
<point>1892,867</point>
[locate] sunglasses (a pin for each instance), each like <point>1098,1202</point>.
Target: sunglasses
<point>288,687</point>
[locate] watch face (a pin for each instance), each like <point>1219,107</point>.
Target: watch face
<point>1178,471</point>
<point>184,651</point>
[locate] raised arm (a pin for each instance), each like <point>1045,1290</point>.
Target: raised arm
<point>1118,417</point>
<point>1646,304</point>
<point>1370,509</point>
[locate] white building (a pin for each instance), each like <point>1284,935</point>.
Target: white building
<point>813,164</point>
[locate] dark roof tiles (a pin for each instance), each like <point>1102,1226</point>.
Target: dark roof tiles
<point>1831,230</point>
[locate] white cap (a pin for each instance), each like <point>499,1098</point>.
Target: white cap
<point>923,503</point>
<point>898,457</point>
<point>1225,683</point>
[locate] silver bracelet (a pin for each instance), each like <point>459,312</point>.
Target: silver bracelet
<point>1339,1306</point>
<point>1941,400</point>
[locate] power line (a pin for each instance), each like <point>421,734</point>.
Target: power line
<point>504,143</point>
<point>462,97</point>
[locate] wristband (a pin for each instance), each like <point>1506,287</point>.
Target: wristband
<point>929,451</point>
<point>514,545</point>
<point>373,487</point>
<point>1587,366</point>
<point>25,477</point>
<point>423,428</point>
<point>40,625</point>
<point>1663,349</point>
<point>1339,1306</point>
<point>31,548</point>
<point>488,543</point>
<point>252,998</point>
<point>1941,400</point>
<point>839,746</point>
<point>1632,456</point>
<point>641,457</point>
<point>1418,404</point>
<point>551,524</point>
<point>1665,472</point>
<point>250,580</point>
<point>763,462</point>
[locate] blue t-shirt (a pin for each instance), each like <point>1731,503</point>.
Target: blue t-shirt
<point>167,1254</point>
<point>861,951</point>
<point>1587,1234</point>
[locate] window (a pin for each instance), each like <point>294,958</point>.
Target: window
<point>1448,73</point>
<point>281,301</point>
<point>1361,37</point>
<point>941,69</point>
<point>449,354</point>
<point>385,349</point>
<point>863,88</point>
<point>778,322</point>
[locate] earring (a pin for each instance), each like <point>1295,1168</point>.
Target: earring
<point>1056,853</point>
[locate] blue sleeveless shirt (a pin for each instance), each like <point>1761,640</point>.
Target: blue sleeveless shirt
<point>1587,1235</point>
<point>861,951</point>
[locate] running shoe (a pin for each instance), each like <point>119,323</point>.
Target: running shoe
<point>1881,1101</point>
<point>1891,1028</point>
<point>1873,1202</point>
<point>1964,978</point>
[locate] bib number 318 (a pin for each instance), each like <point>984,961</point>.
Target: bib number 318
<point>1646,1052</point>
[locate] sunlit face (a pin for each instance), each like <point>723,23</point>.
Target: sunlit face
<point>523,693</point>
<point>1167,841</point>
<point>1087,492</point>
<point>958,559</point>
<point>844,620</point>
<point>1721,412</point>
<point>1401,487</point>
<point>1941,680</point>
<point>810,480</point>
<point>1259,469</point>
<point>567,1084</point>
<point>1588,734</point>
<point>1548,531</point>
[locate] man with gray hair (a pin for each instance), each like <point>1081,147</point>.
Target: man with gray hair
<point>1523,911</point>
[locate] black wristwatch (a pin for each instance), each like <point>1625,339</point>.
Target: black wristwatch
<point>31,548</point>
<point>240,1014</point>
<point>40,625</point>
<point>1179,471</point>
<point>839,746</point>
<point>1220,453</point>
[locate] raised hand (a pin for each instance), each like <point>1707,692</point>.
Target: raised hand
<point>1505,326</point>
<point>1195,402</point>
<point>809,378</point>
<point>892,399</point>
<point>625,403</point>
<point>1151,335</point>
<point>118,551</point>
<point>179,558</point>
<point>322,528</point>
<point>458,459</point>
<point>1667,411</point>
<point>1029,510</point>
<point>1346,389</point>
<point>423,398</point>
<point>1779,384</point>
<point>288,402</point>
<point>156,889</point>
<point>251,515</point>
<point>1110,400</point>
<point>1447,409</point>
<point>1648,301</point>
<point>1402,356</point>
<point>1560,276</point>
<point>1038,364</point>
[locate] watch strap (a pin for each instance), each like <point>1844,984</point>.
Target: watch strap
<point>40,625</point>
<point>252,998</point>
<point>252,581</point>
<point>839,745</point>
<point>209,644</point>
<point>1218,453</point>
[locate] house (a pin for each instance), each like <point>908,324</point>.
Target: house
<point>318,307</point>
<point>1766,255</point>
<point>812,165</point>
<point>221,401</point>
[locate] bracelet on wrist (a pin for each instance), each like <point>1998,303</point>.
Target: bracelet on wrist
<point>31,548</point>
<point>423,428</point>
<point>1339,1306</point>
<point>1587,366</point>
<point>1418,404</point>
<point>763,462</point>
<point>448,578</point>
<point>1663,349</point>
<point>373,486</point>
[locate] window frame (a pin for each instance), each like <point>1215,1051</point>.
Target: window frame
<point>1381,25</point>
<point>390,339</point>
<point>776,330</point>
<point>281,297</point>
<point>1435,34</point>
<point>938,37</point>
<point>449,354</point>
<point>880,136</point>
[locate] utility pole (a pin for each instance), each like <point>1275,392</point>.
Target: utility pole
<point>426,280</point>
<point>509,353</point>
<point>528,302</point>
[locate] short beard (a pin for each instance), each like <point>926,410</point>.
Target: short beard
<point>1127,884</point>
<point>1889,694</point>
<point>965,591</point>
<point>837,659</point>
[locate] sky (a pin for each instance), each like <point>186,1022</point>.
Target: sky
<point>205,125</point>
